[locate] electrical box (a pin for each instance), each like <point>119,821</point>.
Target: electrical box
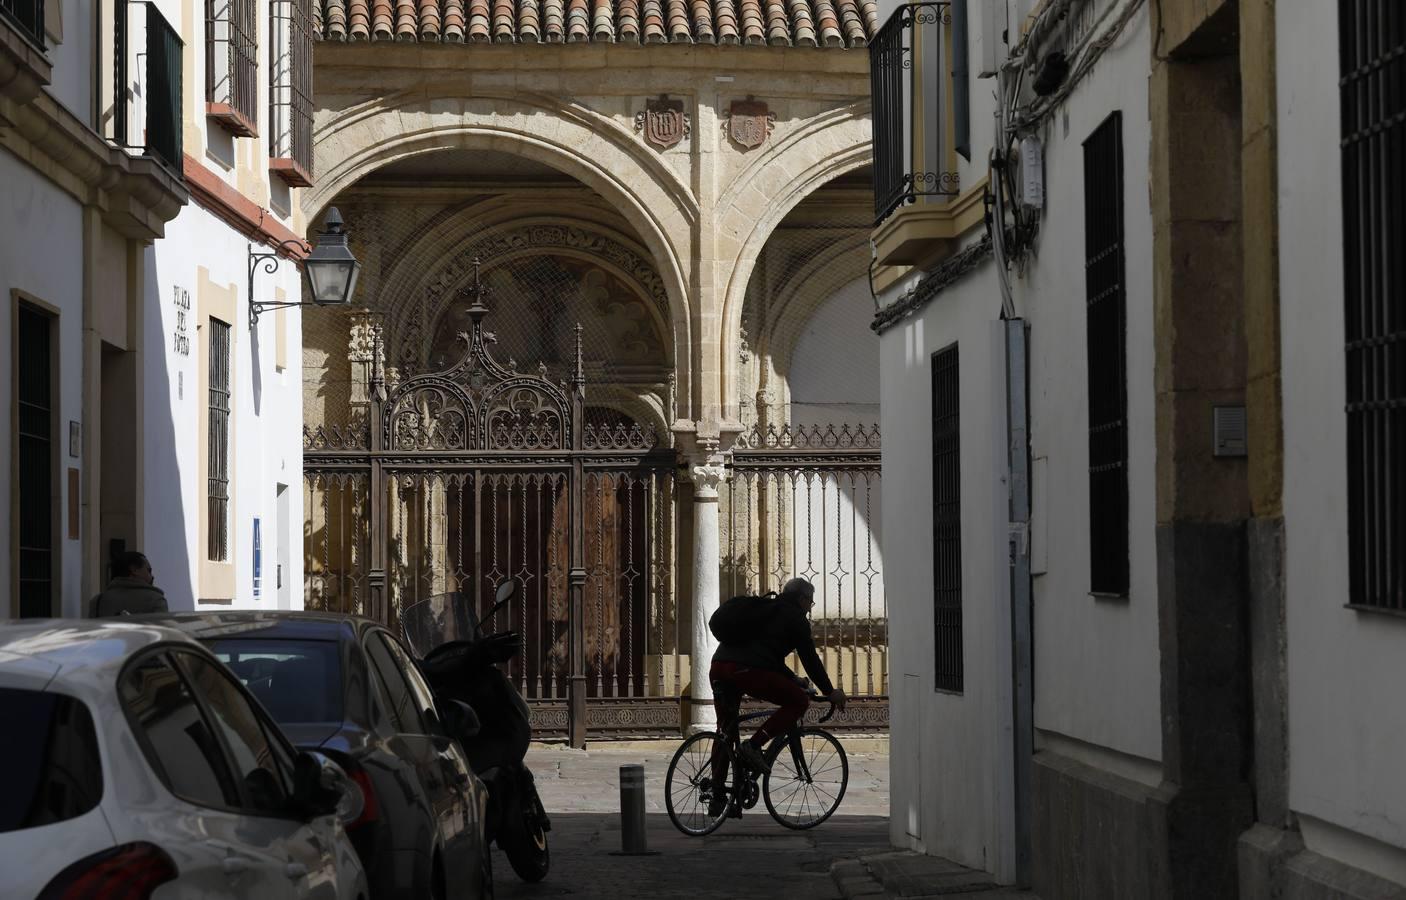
<point>1230,431</point>
<point>1032,173</point>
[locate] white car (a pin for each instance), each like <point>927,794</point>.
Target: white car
<point>134,760</point>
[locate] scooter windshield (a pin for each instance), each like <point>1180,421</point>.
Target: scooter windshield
<point>438,620</point>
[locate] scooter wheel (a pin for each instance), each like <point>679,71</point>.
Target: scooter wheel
<point>528,854</point>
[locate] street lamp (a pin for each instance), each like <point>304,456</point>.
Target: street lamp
<point>330,267</point>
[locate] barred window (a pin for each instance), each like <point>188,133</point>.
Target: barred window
<point>1372,39</point>
<point>34,462</point>
<point>1106,310</point>
<point>946,522</point>
<point>217,453</point>
<point>290,91</point>
<point>232,64</point>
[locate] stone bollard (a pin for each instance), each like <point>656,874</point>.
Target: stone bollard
<point>632,836</point>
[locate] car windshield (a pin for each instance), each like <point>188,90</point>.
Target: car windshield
<point>49,757</point>
<point>297,681</point>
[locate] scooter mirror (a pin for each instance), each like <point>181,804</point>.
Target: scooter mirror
<point>505,590</point>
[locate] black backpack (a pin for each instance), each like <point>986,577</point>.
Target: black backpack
<point>738,619</point>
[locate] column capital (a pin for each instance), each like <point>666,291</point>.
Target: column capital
<point>707,475</point>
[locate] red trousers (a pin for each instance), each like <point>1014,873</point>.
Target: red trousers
<point>731,680</point>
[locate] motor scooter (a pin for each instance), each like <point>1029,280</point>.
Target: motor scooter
<point>461,663</point>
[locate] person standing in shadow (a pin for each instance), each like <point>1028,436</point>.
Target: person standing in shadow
<point>132,589</point>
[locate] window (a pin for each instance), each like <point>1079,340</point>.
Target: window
<point>178,742</point>
<point>290,91</point>
<point>218,450</point>
<point>53,771</point>
<point>34,451</point>
<point>1372,35</point>
<point>946,521</point>
<point>232,64</point>
<point>1106,304</point>
<point>27,15</point>
<point>262,765</point>
<point>399,697</point>
<point>148,84</point>
<point>296,681</point>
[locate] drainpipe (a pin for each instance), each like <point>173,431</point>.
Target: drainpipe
<point>1022,638</point>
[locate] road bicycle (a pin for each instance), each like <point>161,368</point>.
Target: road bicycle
<point>809,773</point>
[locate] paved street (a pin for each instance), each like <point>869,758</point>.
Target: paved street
<point>752,857</point>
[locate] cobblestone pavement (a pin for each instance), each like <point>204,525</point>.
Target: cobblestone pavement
<point>750,857</point>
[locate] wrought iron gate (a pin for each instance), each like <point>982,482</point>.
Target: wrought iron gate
<point>459,479</point>
<point>804,500</point>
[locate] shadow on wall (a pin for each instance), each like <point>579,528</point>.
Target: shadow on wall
<point>167,541</point>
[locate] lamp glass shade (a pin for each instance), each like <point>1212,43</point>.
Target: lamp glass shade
<point>332,280</point>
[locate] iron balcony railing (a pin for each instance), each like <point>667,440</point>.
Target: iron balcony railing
<point>907,116</point>
<point>147,86</point>
<point>232,64</point>
<point>290,86</point>
<point>27,16</point>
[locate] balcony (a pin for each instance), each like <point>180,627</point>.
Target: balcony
<point>27,16</point>
<point>290,91</point>
<point>24,67</point>
<point>147,88</point>
<point>232,65</point>
<point>909,79</point>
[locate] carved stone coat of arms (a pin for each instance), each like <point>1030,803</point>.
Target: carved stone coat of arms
<point>749,122</point>
<point>663,122</point>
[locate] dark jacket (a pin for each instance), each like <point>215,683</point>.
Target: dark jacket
<point>785,631</point>
<point>130,595</point>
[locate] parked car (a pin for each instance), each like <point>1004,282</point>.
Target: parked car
<point>136,765</point>
<point>345,686</point>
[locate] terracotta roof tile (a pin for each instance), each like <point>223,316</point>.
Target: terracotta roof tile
<point>789,23</point>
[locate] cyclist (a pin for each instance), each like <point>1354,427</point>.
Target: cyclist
<point>758,667</point>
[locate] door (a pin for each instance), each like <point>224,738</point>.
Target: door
<point>411,711</point>
<point>301,852</point>
<point>459,813</point>
<point>204,828</point>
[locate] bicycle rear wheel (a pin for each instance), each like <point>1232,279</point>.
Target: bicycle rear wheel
<point>809,774</point>
<point>697,804</point>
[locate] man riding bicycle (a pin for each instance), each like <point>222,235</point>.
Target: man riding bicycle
<point>756,665</point>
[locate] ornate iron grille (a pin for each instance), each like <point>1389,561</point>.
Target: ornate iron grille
<point>27,15</point>
<point>1372,35</point>
<point>1107,359</point>
<point>34,446</point>
<point>290,85</point>
<point>461,477</point>
<point>147,116</point>
<point>804,501</point>
<point>232,63</point>
<point>217,450</point>
<point>907,107</point>
<point>948,665</point>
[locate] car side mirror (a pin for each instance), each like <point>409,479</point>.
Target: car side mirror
<point>459,718</point>
<point>322,788</point>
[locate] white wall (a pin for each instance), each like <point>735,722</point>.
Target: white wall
<point>1097,671</point>
<point>73,59</point>
<point>950,781</point>
<point>1347,718</point>
<point>41,241</point>
<point>266,438</point>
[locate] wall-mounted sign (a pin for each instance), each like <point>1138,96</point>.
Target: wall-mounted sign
<point>258,562</point>
<point>181,338</point>
<point>75,438</point>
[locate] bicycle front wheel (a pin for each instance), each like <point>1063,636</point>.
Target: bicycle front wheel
<point>809,774</point>
<point>695,788</point>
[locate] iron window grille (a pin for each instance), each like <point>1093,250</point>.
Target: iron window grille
<point>909,145</point>
<point>1372,56</point>
<point>34,449</point>
<point>217,452</point>
<point>148,87</point>
<point>1106,310</point>
<point>232,64</point>
<point>290,91</point>
<point>27,16</point>
<point>946,522</point>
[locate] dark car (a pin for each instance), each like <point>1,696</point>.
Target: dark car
<point>347,687</point>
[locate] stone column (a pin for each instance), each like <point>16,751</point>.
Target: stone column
<point>707,476</point>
